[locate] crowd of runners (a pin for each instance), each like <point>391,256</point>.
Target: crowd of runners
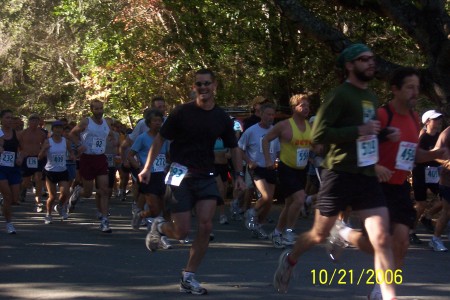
<point>352,161</point>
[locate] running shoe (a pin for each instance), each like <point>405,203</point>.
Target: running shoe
<point>276,240</point>
<point>414,239</point>
<point>48,220</point>
<point>190,285</point>
<point>57,209</point>
<point>74,198</point>
<point>153,236</point>
<point>437,244</point>
<point>64,214</point>
<point>335,243</point>
<point>259,233</point>
<point>288,237</point>
<point>223,220</point>
<point>250,219</point>
<point>10,228</point>
<point>283,273</point>
<point>104,226</point>
<point>164,243</point>
<point>136,220</point>
<point>39,207</point>
<point>428,224</point>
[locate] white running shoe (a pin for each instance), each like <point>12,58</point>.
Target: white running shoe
<point>10,228</point>
<point>437,244</point>
<point>164,243</point>
<point>276,240</point>
<point>153,236</point>
<point>48,220</point>
<point>104,226</point>
<point>190,285</point>
<point>288,237</point>
<point>223,220</point>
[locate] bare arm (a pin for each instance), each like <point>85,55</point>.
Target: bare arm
<point>273,133</point>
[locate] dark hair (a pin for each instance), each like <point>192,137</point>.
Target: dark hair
<point>206,72</point>
<point>398,76</point>
<point>91,104</point>
<point>150,114</point>
<point>4,112</point>
<point>157,98</point>
<point>266,106</point>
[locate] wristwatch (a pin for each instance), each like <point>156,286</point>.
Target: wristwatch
<point>241,174</point>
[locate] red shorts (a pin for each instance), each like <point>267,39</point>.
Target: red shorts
<point>92,166</point>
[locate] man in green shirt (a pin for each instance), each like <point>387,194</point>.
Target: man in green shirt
<point>347,123</point>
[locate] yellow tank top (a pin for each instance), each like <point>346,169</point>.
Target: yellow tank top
<point>295,153</point>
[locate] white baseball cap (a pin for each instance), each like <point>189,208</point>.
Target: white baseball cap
<point>431,114</point>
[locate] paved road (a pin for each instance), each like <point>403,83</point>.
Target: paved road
<point>74,260</point>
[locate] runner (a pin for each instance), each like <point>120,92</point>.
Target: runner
<point>294,135</point>
<point>347,122</point>
<point>193,128</point>
<point>10,161</point>
<point>90,137</point>
<point>263,178</point>
<point>55,150</point>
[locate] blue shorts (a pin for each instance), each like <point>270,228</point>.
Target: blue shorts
<point>12,174</point>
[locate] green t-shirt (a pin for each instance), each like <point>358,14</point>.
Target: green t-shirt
<point>336,124</point>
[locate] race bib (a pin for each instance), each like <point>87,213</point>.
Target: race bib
<point>405,156</point>
<point>159,164</point>
<point>302,157</point>
<point>59,159</point>
<point>432,175</point>
<point>367,150</point>
<point>7,159</point>
<point>176,174</point>
<point>32,162</point>
<point>98,145</point>
<point>1,133</point>
<point>110,159</point>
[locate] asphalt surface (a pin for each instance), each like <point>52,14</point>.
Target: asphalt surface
<point>74,260</point>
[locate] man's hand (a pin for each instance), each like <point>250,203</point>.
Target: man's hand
<point>371,127</point>
<point>394,134</point>
<point>383,173</point>
<point>144,176</point>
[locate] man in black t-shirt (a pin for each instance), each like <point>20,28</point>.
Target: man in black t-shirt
<point>193,129</point>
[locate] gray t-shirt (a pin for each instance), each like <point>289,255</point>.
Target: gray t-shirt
<point>251,143</point>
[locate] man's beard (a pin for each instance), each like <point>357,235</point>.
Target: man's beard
<point>363,77</point>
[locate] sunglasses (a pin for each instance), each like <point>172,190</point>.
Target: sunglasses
<point>206,83</point>
<point>365,58</point>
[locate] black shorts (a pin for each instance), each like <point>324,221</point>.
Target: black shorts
<point>291,180</point>
<point>183,198</point>
<point>420,186</point>
<point>399,203</point>
<point>55,177</point>
<point>156,186</point>
<point>111,176</point>
<point>342,189</point>
<point>27,171</point>
<point>221,170</point>
<point>259,173</point>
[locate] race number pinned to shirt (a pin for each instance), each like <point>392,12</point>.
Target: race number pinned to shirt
<point>1,133</point>
<point>432,175</point>
<point>176,174</point>
<point>110,159</point>
<point>7,159</point>
<point>302,156</point>
<point>159,164</point>
<point>59,159</point>
<point>98,145</point>
<point>405,156</point>
<point>32,162</point>
<point>367,150</point>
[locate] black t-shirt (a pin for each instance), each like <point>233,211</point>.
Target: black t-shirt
<point>427,142</point>
<point>193,132</point>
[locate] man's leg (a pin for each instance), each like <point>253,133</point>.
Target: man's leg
<point>376,221</point>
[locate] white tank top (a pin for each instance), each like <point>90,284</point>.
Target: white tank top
<point>94,137</point>
<point>56,156</point>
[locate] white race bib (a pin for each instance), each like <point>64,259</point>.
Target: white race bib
<point>98,145</point>
<point>159,164</point>
<point>32,162</point>
<point>7,159</point>
<point>432,175</point>
<point>59,159</point>
<point>176,174</point>
<point>110,159</point>
<point>302,157</point>
<point>405,156</point>
<point>367,150</point>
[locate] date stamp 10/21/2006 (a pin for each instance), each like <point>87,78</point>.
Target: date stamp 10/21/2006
<point>351,277</point>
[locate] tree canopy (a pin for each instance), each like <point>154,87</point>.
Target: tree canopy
<point>58,54</point>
